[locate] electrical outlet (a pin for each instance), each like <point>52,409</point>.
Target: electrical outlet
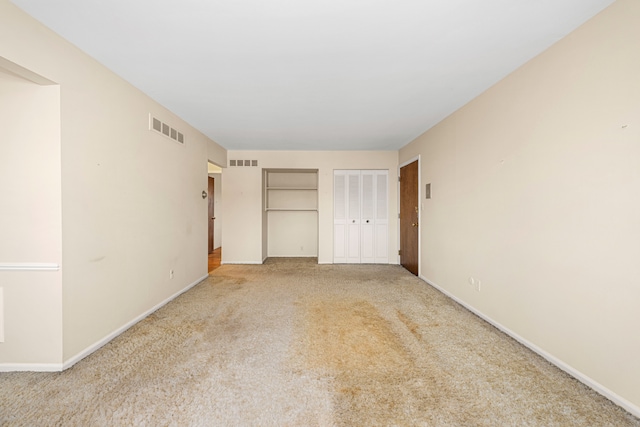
<point>170,274</point>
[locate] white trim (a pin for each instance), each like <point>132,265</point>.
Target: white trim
<point>29,266</point>
<point>31,367</point>
<point>70,362</point>
<point>25,73</point>
<point>1,314</point>
<point>242,262</point>
<point>615,398</point>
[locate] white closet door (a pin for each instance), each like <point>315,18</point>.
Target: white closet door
<point>361,216</point>
<point>353,217</point>
<point>381,233</point>
<point>339,217</point>
<point>367,217</point>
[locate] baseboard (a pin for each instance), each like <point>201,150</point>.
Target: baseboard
<point>33,367</point>
<point>242,262</point>
<point>72,361</point>
<point>29,266</point>
<point>615,398</point>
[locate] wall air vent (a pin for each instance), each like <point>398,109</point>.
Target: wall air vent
<point>243,163</point>
<point>164,129</point>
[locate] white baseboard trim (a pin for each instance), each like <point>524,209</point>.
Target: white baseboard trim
<point>292,256</point>
<point>73,360</point>
<point>618,400</point>
<point>34,367</point>
<point>242,262</point>
<point>29,266</point>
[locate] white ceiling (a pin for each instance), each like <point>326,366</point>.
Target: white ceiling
<point>313,74</point>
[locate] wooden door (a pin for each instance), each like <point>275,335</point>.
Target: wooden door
<point>409,217</point>
<point>211,212</point>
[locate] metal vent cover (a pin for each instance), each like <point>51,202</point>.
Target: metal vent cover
<point>243,163</point>
<point>164,129</point>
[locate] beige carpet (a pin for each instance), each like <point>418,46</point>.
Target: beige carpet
<point>292,343</point>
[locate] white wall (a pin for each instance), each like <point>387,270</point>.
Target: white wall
<point>244,218</point>
<point>30,221</point>
<point>292,234</point>
<point>124,225</point>
<point>536,192</point>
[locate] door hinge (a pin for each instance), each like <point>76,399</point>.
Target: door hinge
<point>399,252</point>
<point>398,179</point>
<point>398,216</point>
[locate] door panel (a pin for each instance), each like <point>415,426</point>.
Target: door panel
<point>210,190</point>
<point>339,218</point>
<point>367,255</point>
<point>409,220</point>
<point>353,217</point>
<point>381,219</point>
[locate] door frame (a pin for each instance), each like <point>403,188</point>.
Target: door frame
<point>420,203</point>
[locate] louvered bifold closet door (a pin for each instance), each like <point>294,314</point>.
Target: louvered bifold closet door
<point>339,217</point>
<point>381,232</point>
<point>361,216</point>
<point>367,220</point>
<point>353,217</point>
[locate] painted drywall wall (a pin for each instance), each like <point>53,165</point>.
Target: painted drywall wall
<point>245,224</point>
<point>536,193</point>
<point>30,225</point>
<point>124,225</point>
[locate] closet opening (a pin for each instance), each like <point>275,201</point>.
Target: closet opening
<point>290,213</point>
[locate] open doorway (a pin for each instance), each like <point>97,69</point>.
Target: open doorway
<point>214,230</point>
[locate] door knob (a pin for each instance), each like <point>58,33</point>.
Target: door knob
<point>414,224</point>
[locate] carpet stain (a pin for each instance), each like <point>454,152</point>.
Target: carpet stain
<point>410,324</point>
<point>376,379</point>
<point>352,336</point>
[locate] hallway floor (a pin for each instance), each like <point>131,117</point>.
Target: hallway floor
<point>214,259</point>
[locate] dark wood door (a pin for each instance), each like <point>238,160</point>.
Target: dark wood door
<point>409,217</point>
<point>211,212</point>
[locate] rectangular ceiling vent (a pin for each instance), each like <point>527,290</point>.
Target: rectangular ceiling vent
<point>243,163</point>
<point>164,129</point>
